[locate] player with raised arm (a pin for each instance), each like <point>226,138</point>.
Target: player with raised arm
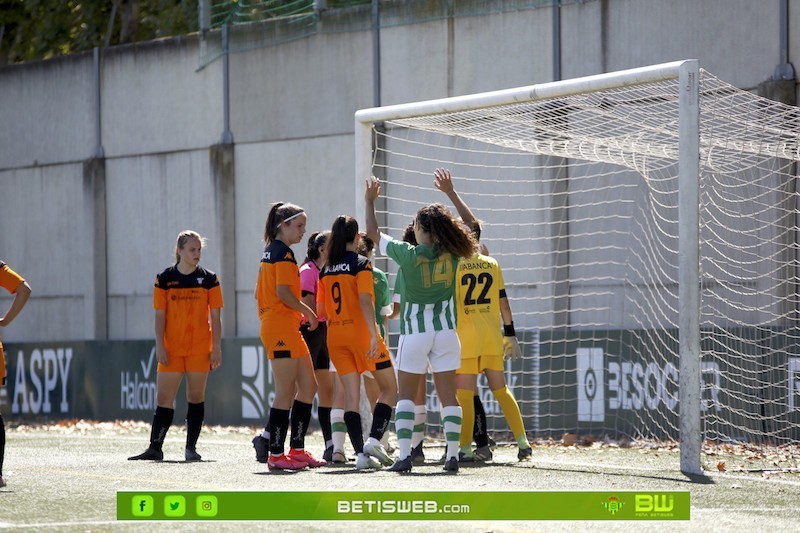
<point>428,320</point>
<point>443,180</point>
<point>420,409</point>
<point>346,298</point>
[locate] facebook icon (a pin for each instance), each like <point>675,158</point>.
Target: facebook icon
<point>142,505</point>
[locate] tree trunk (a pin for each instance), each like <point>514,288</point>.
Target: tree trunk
<point>128,11</point>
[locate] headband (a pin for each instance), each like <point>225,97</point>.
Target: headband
<point>301,212</point>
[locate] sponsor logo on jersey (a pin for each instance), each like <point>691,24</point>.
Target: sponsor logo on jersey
<point>188,295</point>
<point>482,265</point>
<point>340,267</point>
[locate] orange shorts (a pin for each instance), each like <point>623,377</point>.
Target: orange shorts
<point>352,357</point>
<point>187,363</point>
<point>283,342</point>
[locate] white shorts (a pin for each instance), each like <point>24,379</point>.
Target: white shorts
<point>440,349</point>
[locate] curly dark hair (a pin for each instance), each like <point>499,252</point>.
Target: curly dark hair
<point>408,234</point>
<point>447,233</point>
<point>366,245</point>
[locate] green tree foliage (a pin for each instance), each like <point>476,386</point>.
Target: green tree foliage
<point>42,29</point>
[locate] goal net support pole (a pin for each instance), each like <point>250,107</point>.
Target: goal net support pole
<point>689,261</point>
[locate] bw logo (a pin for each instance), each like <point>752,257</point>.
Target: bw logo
<point>659,503</point>
<point>280,344</point>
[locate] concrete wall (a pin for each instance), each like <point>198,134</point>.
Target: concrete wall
<point>91,247</point>
<point>736,40</point>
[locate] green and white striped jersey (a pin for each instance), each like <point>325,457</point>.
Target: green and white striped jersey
<point>427,286</point>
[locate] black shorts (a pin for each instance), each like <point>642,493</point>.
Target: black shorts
<point>317,342</point>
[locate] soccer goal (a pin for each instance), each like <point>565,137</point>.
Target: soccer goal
<point>646,222</point>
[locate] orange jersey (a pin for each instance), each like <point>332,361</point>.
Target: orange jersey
<point>187,300</point>
<point>278,267</point>
<point>340,285</point>
<point>9,279</point>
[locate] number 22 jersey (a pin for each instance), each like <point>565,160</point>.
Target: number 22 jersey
<point>479,287</point>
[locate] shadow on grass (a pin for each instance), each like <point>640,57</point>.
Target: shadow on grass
<point>185,462</point>
<point>278,472</point>
<point>698,479</point>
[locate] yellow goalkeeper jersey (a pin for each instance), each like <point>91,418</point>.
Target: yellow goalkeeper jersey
<point>479,287</point>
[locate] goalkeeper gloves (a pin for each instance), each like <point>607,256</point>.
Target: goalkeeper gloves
<point>511,349</point>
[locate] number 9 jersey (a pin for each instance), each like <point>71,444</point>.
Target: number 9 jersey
<point>340,287</point>
<point>479,287</point>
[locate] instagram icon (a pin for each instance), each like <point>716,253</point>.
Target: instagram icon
<point>207,505</point>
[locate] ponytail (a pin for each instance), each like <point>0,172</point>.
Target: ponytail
<point>315,243</point>
<point>278,214</point>
<point>343,231</point>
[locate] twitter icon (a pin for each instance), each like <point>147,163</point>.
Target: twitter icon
<point>174,506</point>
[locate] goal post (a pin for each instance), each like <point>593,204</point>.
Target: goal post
<point>646,224</point>
<point>689,271</point>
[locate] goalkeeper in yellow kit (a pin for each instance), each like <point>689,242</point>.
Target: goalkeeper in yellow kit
<point>482,302</point>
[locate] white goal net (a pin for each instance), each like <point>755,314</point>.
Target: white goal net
<point>578,187</point>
